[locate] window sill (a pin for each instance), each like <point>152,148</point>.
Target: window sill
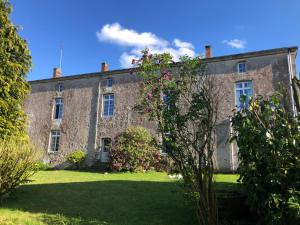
<point>53,152</point>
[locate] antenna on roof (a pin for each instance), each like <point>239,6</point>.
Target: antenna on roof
<point>61,55</point>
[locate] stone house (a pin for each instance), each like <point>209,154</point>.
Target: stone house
<point>87,111</point>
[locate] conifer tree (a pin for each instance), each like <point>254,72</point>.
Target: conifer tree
<point>15,63</point>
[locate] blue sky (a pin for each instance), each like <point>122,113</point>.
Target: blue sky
<point>93,31</point>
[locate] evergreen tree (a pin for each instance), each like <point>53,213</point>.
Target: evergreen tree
<point>15,63</point>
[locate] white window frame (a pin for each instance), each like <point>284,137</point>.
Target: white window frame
<point>110,101</point>
<point>243,89</point>
<point>238,67</point>
<point>54,141</point>
<point>58,102</point>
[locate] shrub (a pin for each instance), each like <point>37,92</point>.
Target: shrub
<point>134,150</point>
<point>42,166</point>
<point>268,138</point>
<point>77,158</point>
<point>17,163</point>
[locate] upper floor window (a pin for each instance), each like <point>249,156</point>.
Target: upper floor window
<point>108,102</point>
<point>166,99</point>
<point>59,108</point>
<point>242,67</point>
<point>243,89</point>
<point>60,87</point>
<point>109,83</point>
<point>54,141</point>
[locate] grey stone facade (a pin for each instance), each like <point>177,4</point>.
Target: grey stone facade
<point>83,125</point>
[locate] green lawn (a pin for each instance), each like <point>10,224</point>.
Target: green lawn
<point>68,197</point>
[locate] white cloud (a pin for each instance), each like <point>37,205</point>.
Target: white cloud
<point>235,43</point>
<point>116,34</point>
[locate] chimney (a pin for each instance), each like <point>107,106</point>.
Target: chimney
<point>56,72</point>
<point>208,51</point>
<point>104,67</point>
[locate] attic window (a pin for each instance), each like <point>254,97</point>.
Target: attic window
<point>109,83</point>
<point>241,67</point>
<point>60,87</point>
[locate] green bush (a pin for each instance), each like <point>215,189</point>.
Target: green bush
<point>42,166</point>
<point>17,163</point>
<point>268,138</point>
<point>77,158</point>
<point>134,150</point>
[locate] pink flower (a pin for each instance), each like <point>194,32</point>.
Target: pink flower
<point>166,75</point>
<point>149,95</point>
<point>133,61</point>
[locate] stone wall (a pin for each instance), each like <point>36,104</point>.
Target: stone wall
<point>83,125</point>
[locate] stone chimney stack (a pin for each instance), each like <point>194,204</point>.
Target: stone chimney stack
<point>56,72</point>
<point>208,51</point>
<point>104,67</point>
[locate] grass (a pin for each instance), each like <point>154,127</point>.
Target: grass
<point>69,197</point>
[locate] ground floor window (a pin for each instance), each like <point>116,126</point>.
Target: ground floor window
<point>54,140</point>
<point>106,144</point>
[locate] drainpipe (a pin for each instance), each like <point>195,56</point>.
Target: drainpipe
<point>97,115</point>
<point>290,67</point>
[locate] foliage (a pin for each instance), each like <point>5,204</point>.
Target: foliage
<point>134,150</point>
<point>17,164</point>
<point>15,64</point>
<point>40,165</point>
<point>268,138</point>
<point>76,158</point>
<point>182,99</point>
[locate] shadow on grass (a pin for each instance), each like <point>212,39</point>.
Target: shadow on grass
<point>110,202</point>
<point>105,202</point>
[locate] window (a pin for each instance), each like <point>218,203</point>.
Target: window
<point>108,102</point>
<point>109,83</point>
<point>59,108</point>
<point>166,99</point>
<point>54,144</point>
<point>243,88</point>
<point>164,149</point>
<point>106,144</point>
<point>242,67</point>
<point>60,87</point>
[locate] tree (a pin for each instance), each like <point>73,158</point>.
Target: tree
<point>15,63</point>
<point>268,138</point>
<point>183,101</point>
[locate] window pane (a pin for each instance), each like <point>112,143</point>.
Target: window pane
<point>55,136</point>
<point>108,109</point>
<point>109,82</point>
<point>243,89</point>
<point>59,107</point>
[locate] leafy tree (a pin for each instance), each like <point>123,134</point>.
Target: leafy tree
<point>182,99</point>
<point>15,63</point>
<point>268,138</point>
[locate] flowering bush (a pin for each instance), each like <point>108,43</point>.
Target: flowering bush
<point>268,138</point>
<point>134,150</point>
<point>182,100</point>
